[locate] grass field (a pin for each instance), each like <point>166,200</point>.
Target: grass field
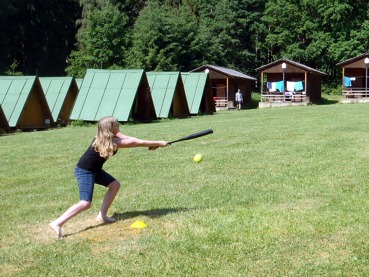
<point>280,192</point>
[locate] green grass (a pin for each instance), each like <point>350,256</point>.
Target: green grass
<point>280,192</point>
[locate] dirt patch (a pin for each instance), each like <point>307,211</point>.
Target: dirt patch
<point>87,229</point>
<point>8,270</point>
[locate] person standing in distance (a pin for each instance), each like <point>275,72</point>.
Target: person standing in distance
<point>239,99</point>
<point>89,170</point>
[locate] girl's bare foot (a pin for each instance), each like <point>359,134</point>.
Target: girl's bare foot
<point>105,219</point>
<point>57,229</point>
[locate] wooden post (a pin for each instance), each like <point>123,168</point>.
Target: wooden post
<point>261,82</point>
<point>343,77</point>
<point>227,89</point>
<point>261,86</point>
<point>343,81</point>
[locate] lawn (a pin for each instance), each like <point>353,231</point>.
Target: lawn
<point>280,192</point>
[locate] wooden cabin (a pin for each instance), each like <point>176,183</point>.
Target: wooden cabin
<point>225,82</point>
<point>288,83</point>
<point>355,85</point>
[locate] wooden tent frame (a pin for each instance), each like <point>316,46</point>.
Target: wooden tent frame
<point>3,121</point>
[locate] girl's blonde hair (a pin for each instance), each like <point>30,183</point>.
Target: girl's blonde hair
<point>104,142</point>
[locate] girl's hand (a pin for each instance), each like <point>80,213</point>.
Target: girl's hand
<point>161,144</point>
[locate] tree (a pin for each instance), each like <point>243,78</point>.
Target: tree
<point>37,34</point>
<point>103,42</point>
<point>163,39</point>
<point>7,11</point>
<point>319,33</point>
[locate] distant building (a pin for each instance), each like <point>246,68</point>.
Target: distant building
<point>224,84</point>
<point>355,85</point>
<point>287,83</point>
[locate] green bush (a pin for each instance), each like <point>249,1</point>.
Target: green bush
<point>78,122</point>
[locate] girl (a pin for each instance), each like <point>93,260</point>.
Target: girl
<point>89,170</point>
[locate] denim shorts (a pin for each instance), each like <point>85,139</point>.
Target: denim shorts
<point>87,179</point>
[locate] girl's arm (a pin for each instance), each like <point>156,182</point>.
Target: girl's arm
<point>121,136</point>
<point>129,142</point>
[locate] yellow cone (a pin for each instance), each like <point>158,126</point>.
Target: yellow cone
<point>138,224</point>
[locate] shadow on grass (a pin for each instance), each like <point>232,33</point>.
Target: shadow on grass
<point>326,101</point>
<point>149,213</point>
<point>86,229</point>
<point>155,213</point>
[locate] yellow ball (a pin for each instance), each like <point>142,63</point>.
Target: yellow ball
<point>197,158</point>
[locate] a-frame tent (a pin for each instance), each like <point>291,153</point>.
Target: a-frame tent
<point>168,94</point>
<point>79,82</point>
<point>24,103</point>
<point>198,92</point>
<point>3,122</point>
<point>60,93</point>
<point>124,94</point>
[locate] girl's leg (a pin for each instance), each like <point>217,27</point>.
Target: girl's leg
<point>113,189</point>
<point>71,212</point>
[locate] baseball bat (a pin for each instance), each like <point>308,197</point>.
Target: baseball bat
<point>192,136</point>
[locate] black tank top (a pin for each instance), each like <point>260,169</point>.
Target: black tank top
<point>91,160</point>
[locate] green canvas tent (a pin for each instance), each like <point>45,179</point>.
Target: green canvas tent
<point>124,94</point>
<point>4,126</point>
<point>24,103</point>
<point>168,94</point>
<point>198,92</point>
<point>79,82</point>
<point>60,93</point>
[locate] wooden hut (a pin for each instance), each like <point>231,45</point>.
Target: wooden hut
<point>24,103</point>
<point>225,82</point>
<point>60,93</point>
<point>286,83</point>
<point>355,85</point>
<point>168,94</point>
<point>124,94</point>
<point>198,93</point>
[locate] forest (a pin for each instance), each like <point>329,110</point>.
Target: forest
<point>59,38</point>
